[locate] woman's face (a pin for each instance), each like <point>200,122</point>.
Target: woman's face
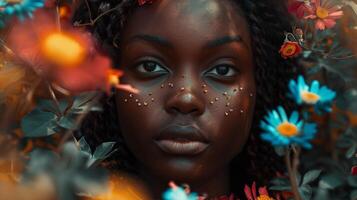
<point>192,62</point>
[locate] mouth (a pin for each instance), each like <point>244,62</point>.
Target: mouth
<point>182,140</point>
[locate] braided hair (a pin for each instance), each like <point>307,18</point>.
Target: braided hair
<point>267,20</point>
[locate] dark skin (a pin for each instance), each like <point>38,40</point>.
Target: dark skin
<point>192,62</point>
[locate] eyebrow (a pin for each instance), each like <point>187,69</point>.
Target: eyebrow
<point>224,40</point>
<point>153,39</point>
<point>164,42</point>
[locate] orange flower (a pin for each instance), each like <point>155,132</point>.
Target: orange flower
<point>290,49</point>
<point>67,58</point>
<point>251,193</point>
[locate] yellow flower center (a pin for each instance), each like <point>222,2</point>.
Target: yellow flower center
<point>113,79</point>
<point>309,97</point>
<point>321,12</point>
<point>14,1</point>
<point>289,50</point>
<point>264,197</point>
<point>288,129</point>
<point>63,50</point>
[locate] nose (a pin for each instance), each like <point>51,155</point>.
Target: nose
<point>185,102</point>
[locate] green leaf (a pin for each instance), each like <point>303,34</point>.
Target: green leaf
<point>310,176</point>
<point>84,146</point>
<point>68,122</point>
<point>50,106</point>
<point>352,181</point>
<point>353,195</point>
<point>306,192</point>
<point>39,124</point>
<point>280,181</point>
<point>103,150</point>
<point>330,181</point>
<point>280,188</point>
<point>351,151</point>
<point>280,151</point>
<point>321,194</point>
<point>82,102</point>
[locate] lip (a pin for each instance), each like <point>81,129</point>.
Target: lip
<point>182,140</point>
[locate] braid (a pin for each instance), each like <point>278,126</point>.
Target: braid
<point>268,20</point>
<point>107,28</point>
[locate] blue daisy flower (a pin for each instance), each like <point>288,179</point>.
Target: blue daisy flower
<point>320,97</point>
<point>21,8</point>
<point>178,193</point>
<point>280,130</point>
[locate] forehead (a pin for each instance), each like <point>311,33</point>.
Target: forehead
<point>192,21</point>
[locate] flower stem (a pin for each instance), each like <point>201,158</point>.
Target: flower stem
<point>58,16</point>
<point>292,170</point>
<point>55,100</point>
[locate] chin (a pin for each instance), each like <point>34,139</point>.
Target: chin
<point>182,169</point>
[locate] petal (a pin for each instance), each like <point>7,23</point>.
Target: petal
<point>254,190</point>
<point>318,3</point>
<point>354,171</point>
<point>329,23</point>
<point>319,25</point>
<point>294,117</point>
<point>263,191</point>
<point>315,87</point>
<point>248,192</point>
<point>310,16</point>
<point>335,15</point>
<point>282,113</point>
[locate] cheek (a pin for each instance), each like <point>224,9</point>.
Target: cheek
<point>135,112</point>
<point>231,117</point>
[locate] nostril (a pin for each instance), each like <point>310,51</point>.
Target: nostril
<point>185,103</point>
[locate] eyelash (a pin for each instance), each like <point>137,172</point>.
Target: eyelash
<point>139,67</point>
<point>231,71</point>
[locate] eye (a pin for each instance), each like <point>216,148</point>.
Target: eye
<point>150,67</point>
<point>222,70</point>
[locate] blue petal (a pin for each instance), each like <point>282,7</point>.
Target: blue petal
<point>315,85</point>
<point>282,113</point>
<point>294,117</point>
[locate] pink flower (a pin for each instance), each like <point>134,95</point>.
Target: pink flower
<point>325,13</point>
<point>299,8</point>
<point>251,193</point>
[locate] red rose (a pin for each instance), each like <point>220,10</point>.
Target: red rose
<point>290,49</point>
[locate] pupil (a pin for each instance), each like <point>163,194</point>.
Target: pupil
<point>222,70</point>
<point>149,66</point>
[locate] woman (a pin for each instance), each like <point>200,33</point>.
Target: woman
<point>207,70</point>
